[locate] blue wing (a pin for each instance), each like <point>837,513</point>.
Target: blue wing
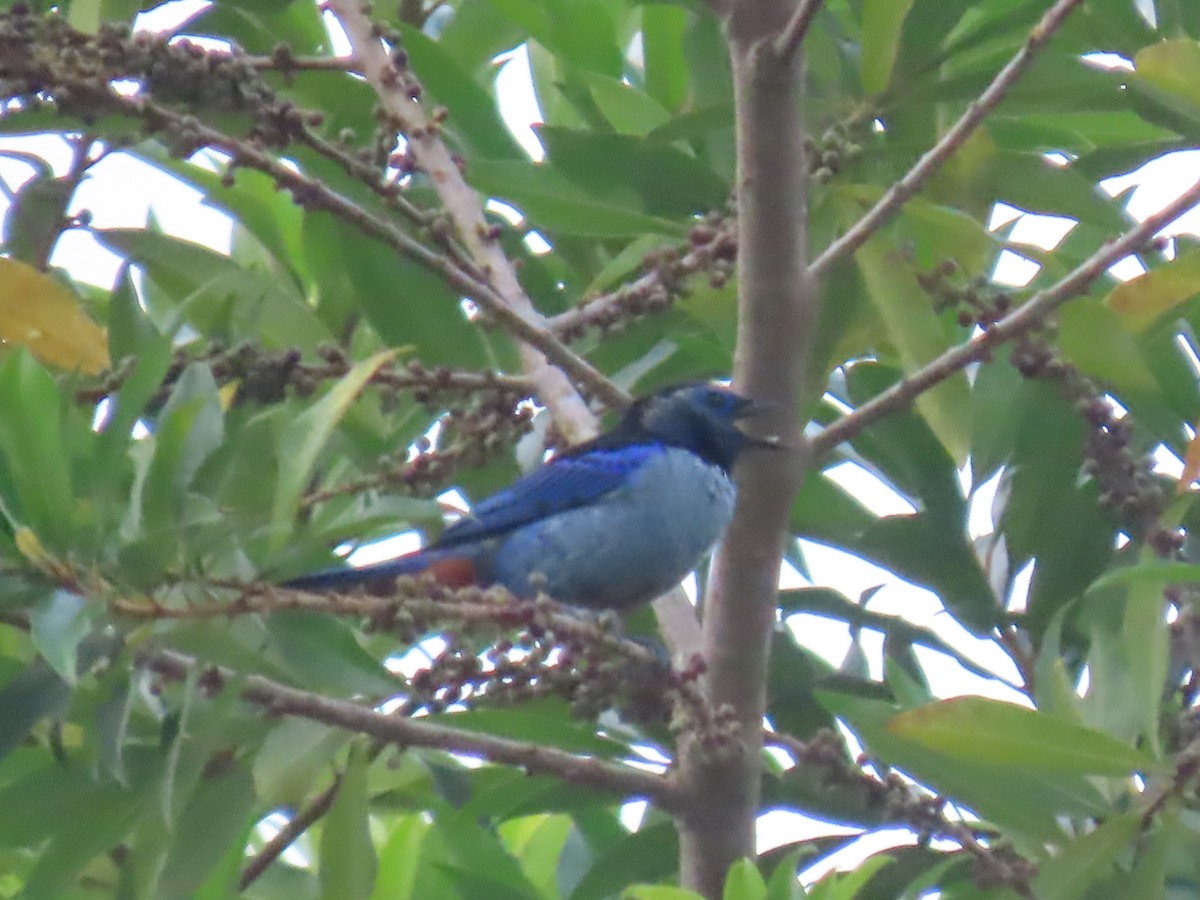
<point>572,479</point>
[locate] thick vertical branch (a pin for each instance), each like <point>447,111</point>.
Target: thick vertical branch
<point>775,305</point>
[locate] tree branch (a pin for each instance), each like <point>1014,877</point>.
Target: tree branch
<point>1020,320</point>
<point>280,699</point>
<point>792,37</point>
<point>914,179</point>
<point>710,247</point>
<point>465,209</point>
<point>289,834</point>
<point>776,302</point>
<point>906,804</point>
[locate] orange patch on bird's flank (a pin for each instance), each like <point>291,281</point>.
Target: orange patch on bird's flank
<point>455,571</point>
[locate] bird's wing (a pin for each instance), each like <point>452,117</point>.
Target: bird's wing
<point>575,478</point>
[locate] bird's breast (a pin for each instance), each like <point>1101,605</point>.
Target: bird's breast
<point>632,545</point>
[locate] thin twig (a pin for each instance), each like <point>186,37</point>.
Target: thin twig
<point>289,834</point>
<point>1020,320</point>
<point>793,35</point>
<point>656,288</point>
<point>900,192</point>
<point>907,804</point>
<point>303,63</point>
<point>280,699</point>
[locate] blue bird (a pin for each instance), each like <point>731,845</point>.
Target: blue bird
<point>608,524</point>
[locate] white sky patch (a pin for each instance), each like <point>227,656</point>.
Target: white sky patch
<point>168,16</point>
<point>1018,597</point>
<point>518,102</point>
<point>1166,463</point>
<point>979,516</point>
<point>1014,270</point>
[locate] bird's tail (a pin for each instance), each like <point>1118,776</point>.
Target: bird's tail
<point>452,571</point>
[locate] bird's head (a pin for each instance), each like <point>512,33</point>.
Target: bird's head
<point>700,417</point>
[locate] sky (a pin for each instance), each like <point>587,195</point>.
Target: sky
<point>122,191</point>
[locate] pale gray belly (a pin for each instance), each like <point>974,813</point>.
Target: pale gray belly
<point>635,544</point>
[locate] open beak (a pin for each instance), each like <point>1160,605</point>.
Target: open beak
<point>749,408</point>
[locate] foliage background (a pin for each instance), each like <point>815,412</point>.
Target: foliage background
<point>261,407</point>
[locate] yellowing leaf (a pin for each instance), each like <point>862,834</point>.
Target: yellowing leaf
<point>228,393</point>
<point>1097,340</point>
<point>30,547</point>
<point>1140,301</point>
<point>1172,66</point>
<point>1191,465</point>
<point>35,553</point>
<point>42,314</point>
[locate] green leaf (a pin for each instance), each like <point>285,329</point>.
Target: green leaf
<point>324,654</point>
<point>400,859</point>
<point>81,819</point>
<point>783,883</point>
<point>583,33</point>
<point>1089,858</point>
<point>555,204</point>
<point>303,440</point>
<point>57,624</point>
<point>1142,301</point>
<point>912,326</point>
<point>646,855</point>
<point>189,430</point>
<point>215,294</point>
<point>1095,339</point>
<point>1002,734</point>
<point>1030,182</point>
<point>882,24</point>
<point>629,110</point>
<point>482,866</point>
<point>660,178</point>
<point>846,885</point>
<point>32,695</point>
<point>32,440</point>
<point>743,882</point>
<point>216,817</point>
<point>347,854</point>
<point>294,756</point>
<point>537,842</point>
<point>1172,66</point>
<point>1154,573</point>
<point>1147,640</point>
<point>253,201</point>
<point>410,307</point>
<point>658,892</point>
<point>666,74</point>
<point>1025,800</point>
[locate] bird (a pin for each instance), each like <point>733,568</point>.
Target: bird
<point>608,524</point>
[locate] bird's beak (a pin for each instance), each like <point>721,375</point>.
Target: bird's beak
<point>749,408</point>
